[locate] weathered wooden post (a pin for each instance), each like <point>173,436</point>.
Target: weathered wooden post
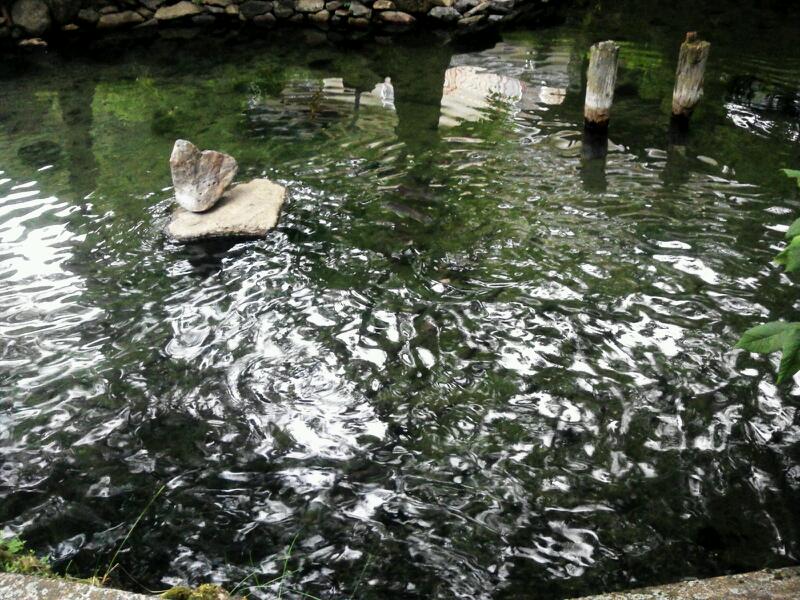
<point>689,76</point>
<point>600,80</point>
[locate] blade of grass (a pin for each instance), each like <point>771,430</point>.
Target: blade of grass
<point>112,564</point>
<point>256,585</point>
<point>286,564</point>
<point>253,566</point>
<point>296,591</point>
<point>360,576</point>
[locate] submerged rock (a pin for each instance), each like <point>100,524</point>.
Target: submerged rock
<point>247,210</point>
<point>200,178</point>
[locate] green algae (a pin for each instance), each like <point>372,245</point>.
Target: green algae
<point>207,591</point>
<point>14,558</point>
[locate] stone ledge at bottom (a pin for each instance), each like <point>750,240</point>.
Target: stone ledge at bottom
<point>769,584</point>
<point>26,587</point>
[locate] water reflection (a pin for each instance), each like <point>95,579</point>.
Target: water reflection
<point>481,353</point>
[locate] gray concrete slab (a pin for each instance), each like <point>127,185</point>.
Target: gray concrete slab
<point>771,584</point>
<point>26,587</point>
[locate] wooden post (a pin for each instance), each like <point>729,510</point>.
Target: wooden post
<point>600,80</point>
<point>689,76</point>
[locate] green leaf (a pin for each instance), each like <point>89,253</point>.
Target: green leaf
<point>793,173</point>
<point>790,361</point>
<point>794,229</point>
<point>790,256</point>
<point>15,545</point>
<point>766,338</point>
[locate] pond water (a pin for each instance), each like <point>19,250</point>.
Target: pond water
<point>470,362</point>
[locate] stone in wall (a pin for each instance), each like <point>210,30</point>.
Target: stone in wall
<point>88,15</point>
<point>320,17</point>
<point>358,22</point>
<point>64,11</point>
<point>468,22</point>
<point>37,17</point>
<point>267,20</point>
<point>177,11</point>
<point>447,14</point>
<point>32,15</point>
<point>396,17</point>
<point>309,6</point>
<point>480,8</point>
<point>502,6</point>
<point>358,10</point>
<point>413,6</point>
<point>283,9</point>
<point>120,19</point>
<point>203,20</point>
<point>253,8</point>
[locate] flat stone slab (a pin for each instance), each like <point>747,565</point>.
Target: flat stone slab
<point>247,210</point>
<point>770,584</point>
<point>25,587</point>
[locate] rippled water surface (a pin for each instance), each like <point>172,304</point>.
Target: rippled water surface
<point>471,362</point>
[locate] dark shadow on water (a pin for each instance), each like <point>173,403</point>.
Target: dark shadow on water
<point>594,150</point>
<point>676,171</point>
<point>75,98</point>
<point>206,256</point>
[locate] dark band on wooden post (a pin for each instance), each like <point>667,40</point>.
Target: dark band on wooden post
<point>689,76</point>
<point>600,81</point>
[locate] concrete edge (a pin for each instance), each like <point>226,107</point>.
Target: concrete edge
<point>769,584</point>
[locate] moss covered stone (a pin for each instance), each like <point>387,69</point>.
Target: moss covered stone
<point>207,591</point>
<point>15,559</point>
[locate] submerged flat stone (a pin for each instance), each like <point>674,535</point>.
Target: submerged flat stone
<point>247,210</point>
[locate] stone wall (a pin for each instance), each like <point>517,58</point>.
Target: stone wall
<point>30,22</point>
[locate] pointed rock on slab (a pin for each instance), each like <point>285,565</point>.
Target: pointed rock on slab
<point>200,178</point>
<point>247,210</point>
